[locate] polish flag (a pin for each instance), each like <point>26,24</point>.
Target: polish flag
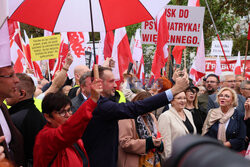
<point>121,53</point>
<point>141,74</point>
<point>218,70</point>
<point>161,52</point>
<point>18,58</point>
<point>237,66</point>
<point>4,46</point>
<point>177,53</point>
<point>108,44</point>
<point>137,49</point>
<point>197,71</point>
<point>62,54</point>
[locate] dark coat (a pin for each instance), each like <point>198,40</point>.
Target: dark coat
<point>29,121</point>
<point>16,144</point>
<point>101,135</point>
<point>77,102</point>
<point>213,104</point>
<point>235,133</point>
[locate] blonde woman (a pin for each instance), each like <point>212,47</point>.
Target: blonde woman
<point>226,123</point>
<point>175,122</point>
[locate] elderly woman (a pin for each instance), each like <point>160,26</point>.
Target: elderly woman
<point>226,123</point>
<point>192,105</point>
<point>175,122</point>
<point>139,140</point>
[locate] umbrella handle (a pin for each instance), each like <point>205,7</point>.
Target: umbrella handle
<point>96,71</point>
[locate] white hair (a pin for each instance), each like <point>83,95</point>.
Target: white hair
<point>225,74</point>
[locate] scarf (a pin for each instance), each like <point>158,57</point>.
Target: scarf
<point>151,159</point>
<point>215,115</point>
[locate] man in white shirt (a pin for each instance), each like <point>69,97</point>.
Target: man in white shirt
<point>13,143</point>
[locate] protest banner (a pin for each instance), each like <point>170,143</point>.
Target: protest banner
<point>216,48</point>
<point>184,23</point>
<point>211,64</point>
<point>44,48</point>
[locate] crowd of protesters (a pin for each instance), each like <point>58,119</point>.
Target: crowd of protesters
<point>93,122</point>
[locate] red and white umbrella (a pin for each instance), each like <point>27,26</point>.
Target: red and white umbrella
<point>75,15</point>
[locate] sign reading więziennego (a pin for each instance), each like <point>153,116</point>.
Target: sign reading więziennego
<point>184,23</point>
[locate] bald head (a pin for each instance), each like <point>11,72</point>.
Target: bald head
<point>79,71</point>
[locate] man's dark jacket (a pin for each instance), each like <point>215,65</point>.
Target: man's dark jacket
<point>101,135</point>
<point>29,121</point>
<point>77,102</point>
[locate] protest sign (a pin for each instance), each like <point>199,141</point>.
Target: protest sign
<point>216,48</point>
<point>184,23</point>
<point>211,64</point>
<point>44,48</point>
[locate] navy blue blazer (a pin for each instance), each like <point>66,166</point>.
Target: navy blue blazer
<point>101,135</point>
<point>77,102</point>
<point>235,133</point>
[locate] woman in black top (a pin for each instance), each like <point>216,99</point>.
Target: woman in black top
<point>192,105</point>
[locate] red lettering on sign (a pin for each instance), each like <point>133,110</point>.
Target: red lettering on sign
<point>76,44</point>
<point>183,13</point>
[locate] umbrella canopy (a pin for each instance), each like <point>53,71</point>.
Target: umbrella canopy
<point>7,7</point>
<point>75,15</point>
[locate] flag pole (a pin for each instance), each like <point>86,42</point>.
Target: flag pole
<point>168,63</point>
<point>185,57</point>
<point>245,59</point>
<point>92,29</point>
<point>217,34</point>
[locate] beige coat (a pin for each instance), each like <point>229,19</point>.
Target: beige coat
<point>171,126</point>
<point>130,146</point>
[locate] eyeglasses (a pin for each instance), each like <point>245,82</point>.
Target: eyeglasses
<point>8,76</point>
<point>245,88</point>
<point>179,99</point>
<point>62,113</point>
<point>231,81</point>
<point>212,82</point>
<point>225,96</point>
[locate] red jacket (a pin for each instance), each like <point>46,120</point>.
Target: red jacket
<point>57,142</point>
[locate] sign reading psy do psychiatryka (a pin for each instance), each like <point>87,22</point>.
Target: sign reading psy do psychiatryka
<point>44,48</point>
<point>184,23</point>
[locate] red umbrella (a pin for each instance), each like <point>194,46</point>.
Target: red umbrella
<point>86,15</point>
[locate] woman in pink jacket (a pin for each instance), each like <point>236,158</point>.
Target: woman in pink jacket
<point>139,140</point>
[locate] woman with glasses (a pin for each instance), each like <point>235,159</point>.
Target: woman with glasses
<point>59,143</point>
<point>192,106</point>
<point>226,123</point>
<point>175,122</point>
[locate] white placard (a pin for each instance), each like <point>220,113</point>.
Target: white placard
<point>216,48</point>
<point>184,23</point>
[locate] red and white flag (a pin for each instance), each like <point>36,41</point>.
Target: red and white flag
<point>197,70</point>
<point>78,42</point>
<point>108,44</point>
<point>218,70</point>
<point>141,73</point>
<point>121,53</point>
<point>177,53</point>
<point>237,67</point>
<point>137,48</point>
<point>161,53</point>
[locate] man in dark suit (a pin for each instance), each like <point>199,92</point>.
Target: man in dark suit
<point>24,114</point>
<point>227,79</point>
<point>85,82</point>
<point>101,135</point>
<point>13,143</point>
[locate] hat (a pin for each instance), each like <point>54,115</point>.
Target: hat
<point>192,86</point>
